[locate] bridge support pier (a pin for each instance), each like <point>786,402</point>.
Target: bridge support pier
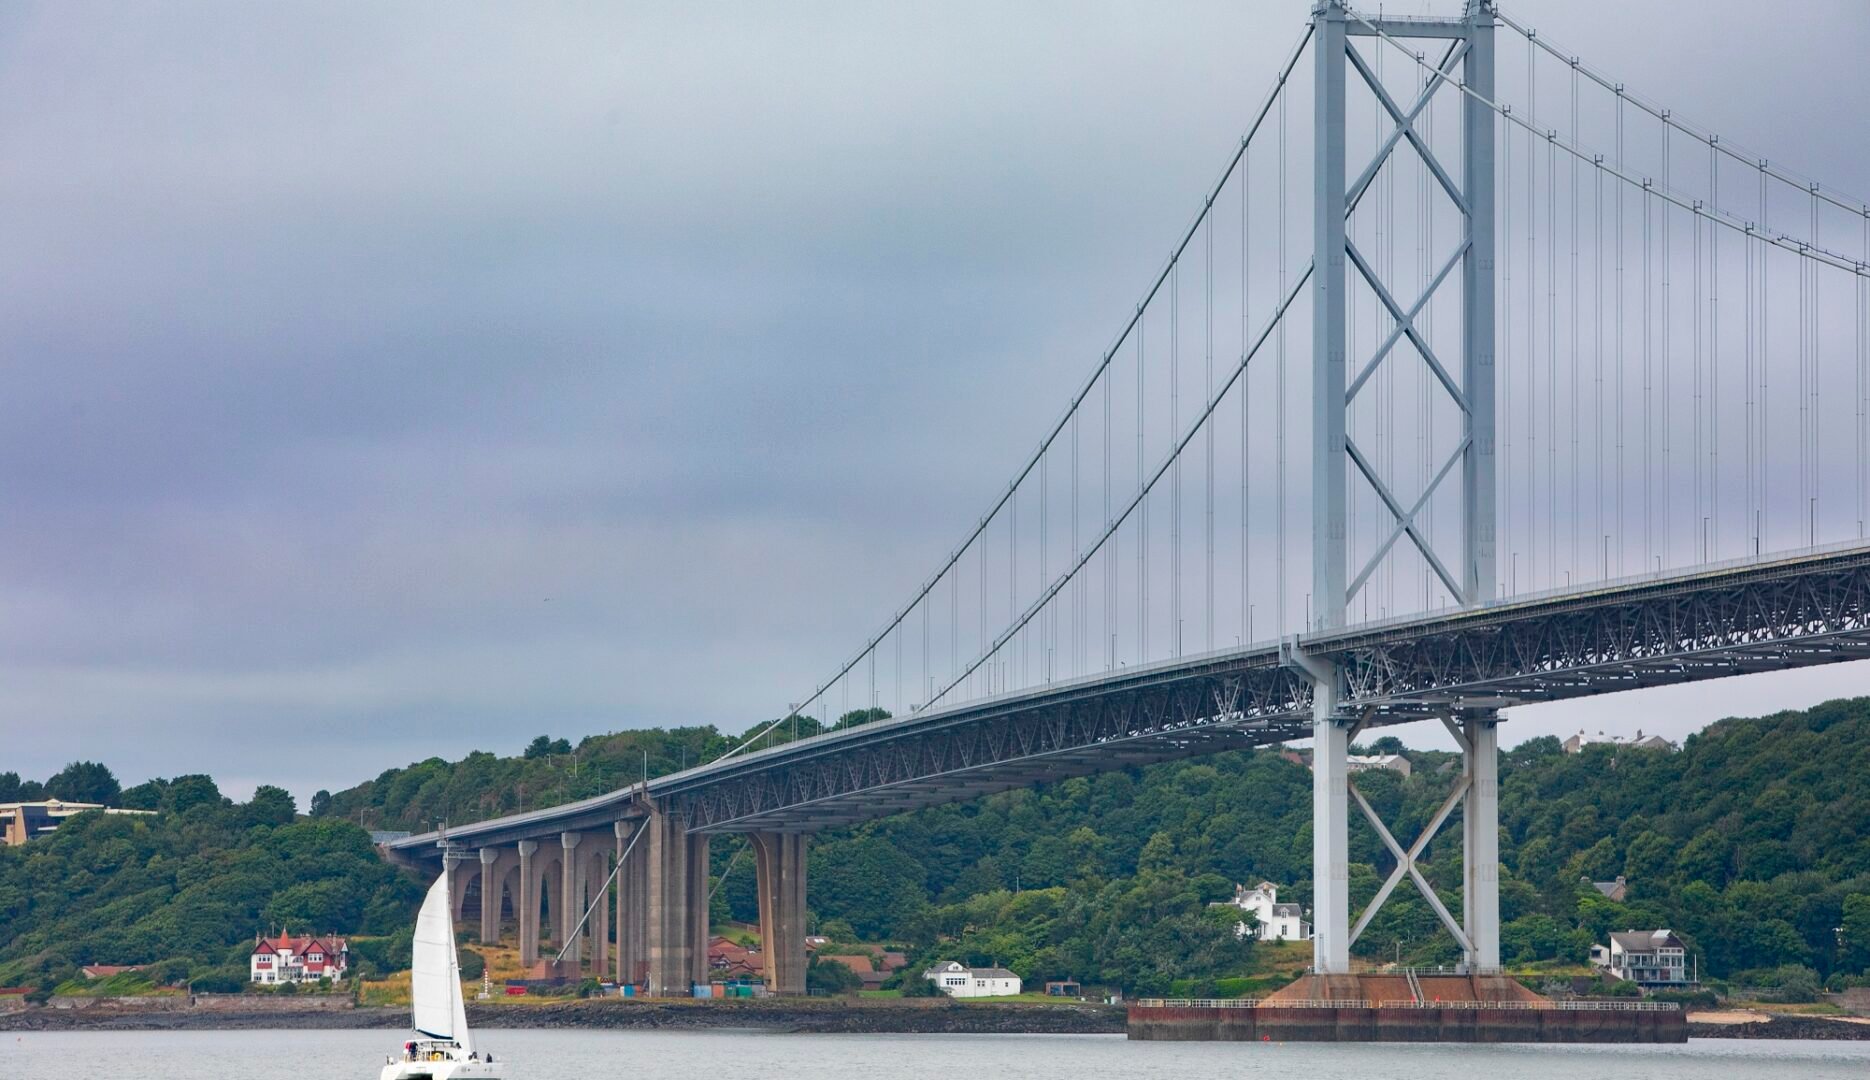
<point>596,898</point>
<point>568,904</point>
<point>1480,844</point>
<point>1331,903</point>
<point>490,896</point>
<point>678,905</point>
<point>779,862</point>
<point>528,914</point>
<point>632,906</point>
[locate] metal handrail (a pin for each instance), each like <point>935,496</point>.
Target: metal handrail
<point>1537,1006</point>
<point>1404,1003</point>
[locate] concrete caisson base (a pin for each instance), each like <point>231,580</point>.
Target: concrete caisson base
<point>1275,1023</point>
<point>1392,1007</point>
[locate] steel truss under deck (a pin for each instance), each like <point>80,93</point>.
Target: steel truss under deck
<point>1792,612</point>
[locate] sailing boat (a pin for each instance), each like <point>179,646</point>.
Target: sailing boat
<point>442,1047</point>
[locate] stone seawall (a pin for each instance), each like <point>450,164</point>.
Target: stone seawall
<point>1830,1029</point>
<point>817,1015</point>
<point>139,1003</point>
<point>1421,1024</point>
<point>273,1003</point>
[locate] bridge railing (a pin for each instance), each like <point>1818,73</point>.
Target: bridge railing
<point>1405,1003</point>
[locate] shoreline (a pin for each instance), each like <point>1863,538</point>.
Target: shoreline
<point>791,1015</point>
<point>778,1015</point>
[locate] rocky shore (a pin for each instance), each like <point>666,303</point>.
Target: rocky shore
<point>800,1015</point>
<point>820,1015</point>
<point>1777,1026</point>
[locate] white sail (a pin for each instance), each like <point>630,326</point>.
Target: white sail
<point>435,973</point>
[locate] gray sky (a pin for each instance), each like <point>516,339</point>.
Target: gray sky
<point>387,381</point>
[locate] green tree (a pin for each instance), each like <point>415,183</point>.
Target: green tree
<point>187,792</point>
<point>1854,933</point>
<point>84,781</point>
<point>867,881</point>
<point>271,806</point>
<point>830,977</point>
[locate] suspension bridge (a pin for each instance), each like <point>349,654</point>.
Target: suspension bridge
<point>1560,395</point>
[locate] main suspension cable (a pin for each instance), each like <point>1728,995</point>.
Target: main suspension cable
<point>1273,97</point>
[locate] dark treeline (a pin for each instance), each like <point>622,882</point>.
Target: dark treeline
<point>187,889</point>
<point>1752,842</point>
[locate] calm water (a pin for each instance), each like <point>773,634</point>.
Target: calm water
<point>749,1055</point>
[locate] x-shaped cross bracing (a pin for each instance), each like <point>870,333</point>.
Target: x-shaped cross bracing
<point>1405,320</point>
<point>1406,860</point>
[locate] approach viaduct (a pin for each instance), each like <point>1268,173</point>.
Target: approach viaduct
<point>1460,666</point>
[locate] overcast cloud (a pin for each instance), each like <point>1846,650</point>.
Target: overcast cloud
<point>393,380</point>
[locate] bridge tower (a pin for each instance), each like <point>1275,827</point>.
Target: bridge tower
<point>1337,462</point>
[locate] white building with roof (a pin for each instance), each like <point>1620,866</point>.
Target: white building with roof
<point>958,980</point>
<point>1638,741</point>
<point>1645,957</point>
<point>1357,763</point>
<point>1277,921</point>
<point>288,959</point>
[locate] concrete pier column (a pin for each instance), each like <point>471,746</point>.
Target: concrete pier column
<point>779,863</point>
<point>1331,910</point>
<point>678,905</point>
<point>490,896</point>
<point>621,830</point>
<point>698,922</point>
<point>528,914</point>
<point>633,906</point>
<point>570,906</point>
<point>599,902</point>
<point>1480,844</point>
<point>464,874</point>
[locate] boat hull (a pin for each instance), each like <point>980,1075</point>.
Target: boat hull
<point>442,1070</point>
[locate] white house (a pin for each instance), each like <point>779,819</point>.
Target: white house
<point>1639,741</point>
<point>1365,762</point>
<point>1645,957</point>
<point>1278,922</point>
<point>285,959</point>
<point>966,982</point>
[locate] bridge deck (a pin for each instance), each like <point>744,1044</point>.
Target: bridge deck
<point>1778,612</point>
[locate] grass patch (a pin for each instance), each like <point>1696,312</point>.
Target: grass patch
<point>122,984</point>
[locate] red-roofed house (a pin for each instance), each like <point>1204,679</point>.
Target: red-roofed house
<point>291,959</point>
<point>863,966</point>
<point>733,960</point>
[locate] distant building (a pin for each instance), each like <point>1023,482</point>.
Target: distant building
<point>732,960</point>
<point>105,971</point>
<point>286,959</point>
<point>1648,958</point>
<point>862,965</point>
<point>1365,762</point>
<point>1063,988</point>
<point>24,821</point>
<point>1354,762</point>
<point>1277,921</point>
<point>1639,741</point>
<point>1612,890</point>
<point>958,981</point>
